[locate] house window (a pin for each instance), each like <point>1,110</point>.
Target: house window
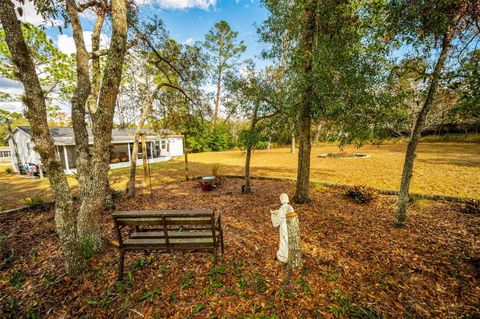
<point>72,156</point>
<point>164,144</point>
<point>119,153</point>
<point>5,154</point>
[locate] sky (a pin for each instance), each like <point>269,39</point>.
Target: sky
<point>187,21</point>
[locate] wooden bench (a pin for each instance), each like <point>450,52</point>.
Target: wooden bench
<point>168,230</point>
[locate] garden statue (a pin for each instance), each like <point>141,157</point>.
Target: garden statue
<point>279,219</point>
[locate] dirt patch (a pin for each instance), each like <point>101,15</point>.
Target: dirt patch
<point>356,262</point>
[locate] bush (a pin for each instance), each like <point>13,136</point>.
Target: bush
<point>211,137</point>
<point>261,145</point>
<point>360,194</point>
<point>471,206</point>
<point>116,193</point>
<point>9,170</point>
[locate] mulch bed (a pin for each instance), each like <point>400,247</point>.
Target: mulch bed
<point>356,264</point>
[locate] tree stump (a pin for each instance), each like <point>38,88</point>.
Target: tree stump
<point>294,251</point>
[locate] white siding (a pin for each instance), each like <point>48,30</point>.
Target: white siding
<point>23,141</point>
<point>176,146</point>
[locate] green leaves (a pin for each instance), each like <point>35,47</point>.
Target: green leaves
<point>54,68</point>
<point>333,63</point>
<point>151,295</point>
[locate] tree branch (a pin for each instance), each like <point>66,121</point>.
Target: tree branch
<point>130,44</point>
<point>83,6</point>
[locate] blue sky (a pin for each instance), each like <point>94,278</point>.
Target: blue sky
<point>193,24</point>
<point>187,21</point>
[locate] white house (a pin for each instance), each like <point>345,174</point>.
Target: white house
<point>160,147</point>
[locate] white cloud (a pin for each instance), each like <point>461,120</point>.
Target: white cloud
<point>30,15</point>
<point>66,44</point>
<point>12,106</point>
<point>186,4</point>
<point>189,41</point>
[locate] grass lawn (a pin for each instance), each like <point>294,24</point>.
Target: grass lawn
<point>440,168</point>
<point>356,264</point>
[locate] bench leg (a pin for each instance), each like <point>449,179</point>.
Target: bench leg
<point>120,266</point>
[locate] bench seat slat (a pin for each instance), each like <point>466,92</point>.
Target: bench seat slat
<point>173,234</point>
<point>161,241</point>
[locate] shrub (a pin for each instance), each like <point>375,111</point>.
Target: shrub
<point>116,193</point>
<point>360,194</point>
<point>471,206</point>
<point>210,137</point>
<point>261,145</point>
<point>9,170</point>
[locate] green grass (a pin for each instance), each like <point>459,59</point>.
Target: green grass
<point>440,168</point>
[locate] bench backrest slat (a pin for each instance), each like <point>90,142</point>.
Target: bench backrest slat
<point>165,220</point>
<point>203,217</point>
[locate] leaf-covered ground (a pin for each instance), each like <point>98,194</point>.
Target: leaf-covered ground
<point>357,264</point>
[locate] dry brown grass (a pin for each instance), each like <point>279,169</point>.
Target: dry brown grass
<point>441,168</point>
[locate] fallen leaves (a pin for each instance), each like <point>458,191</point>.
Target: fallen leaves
<point>356,262</point>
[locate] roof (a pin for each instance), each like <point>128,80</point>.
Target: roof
<point>68,131</point>
<point>66,136</point>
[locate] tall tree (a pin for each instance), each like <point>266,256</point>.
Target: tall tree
<point>256,99</point>
<point>224,49</point>
<point>334,67</point>
<point>432,27</point>
<point>93,162</point>
<point>76,231</point>
<point>467,83</point>
<point>34,99</point>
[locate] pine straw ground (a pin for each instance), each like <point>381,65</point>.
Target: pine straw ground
<point>357,264</point>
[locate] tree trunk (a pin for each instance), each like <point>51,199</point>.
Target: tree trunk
<point>317,133</point>
<point>185,150</point>
<point>247,186</point>
<point>403,196</point>
<point>34,99</point>
<point>144,159</point>
<point>294,249</point>
<point>292,144</point>
<point>79,99</point>
<point>269,143</point>
<point>95,61</point>
<point>302,192</point>
<point>217,96</point>
<point>92,204</point>
<point>133,165</point>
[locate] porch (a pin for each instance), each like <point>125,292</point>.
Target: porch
<point>120,154</point>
